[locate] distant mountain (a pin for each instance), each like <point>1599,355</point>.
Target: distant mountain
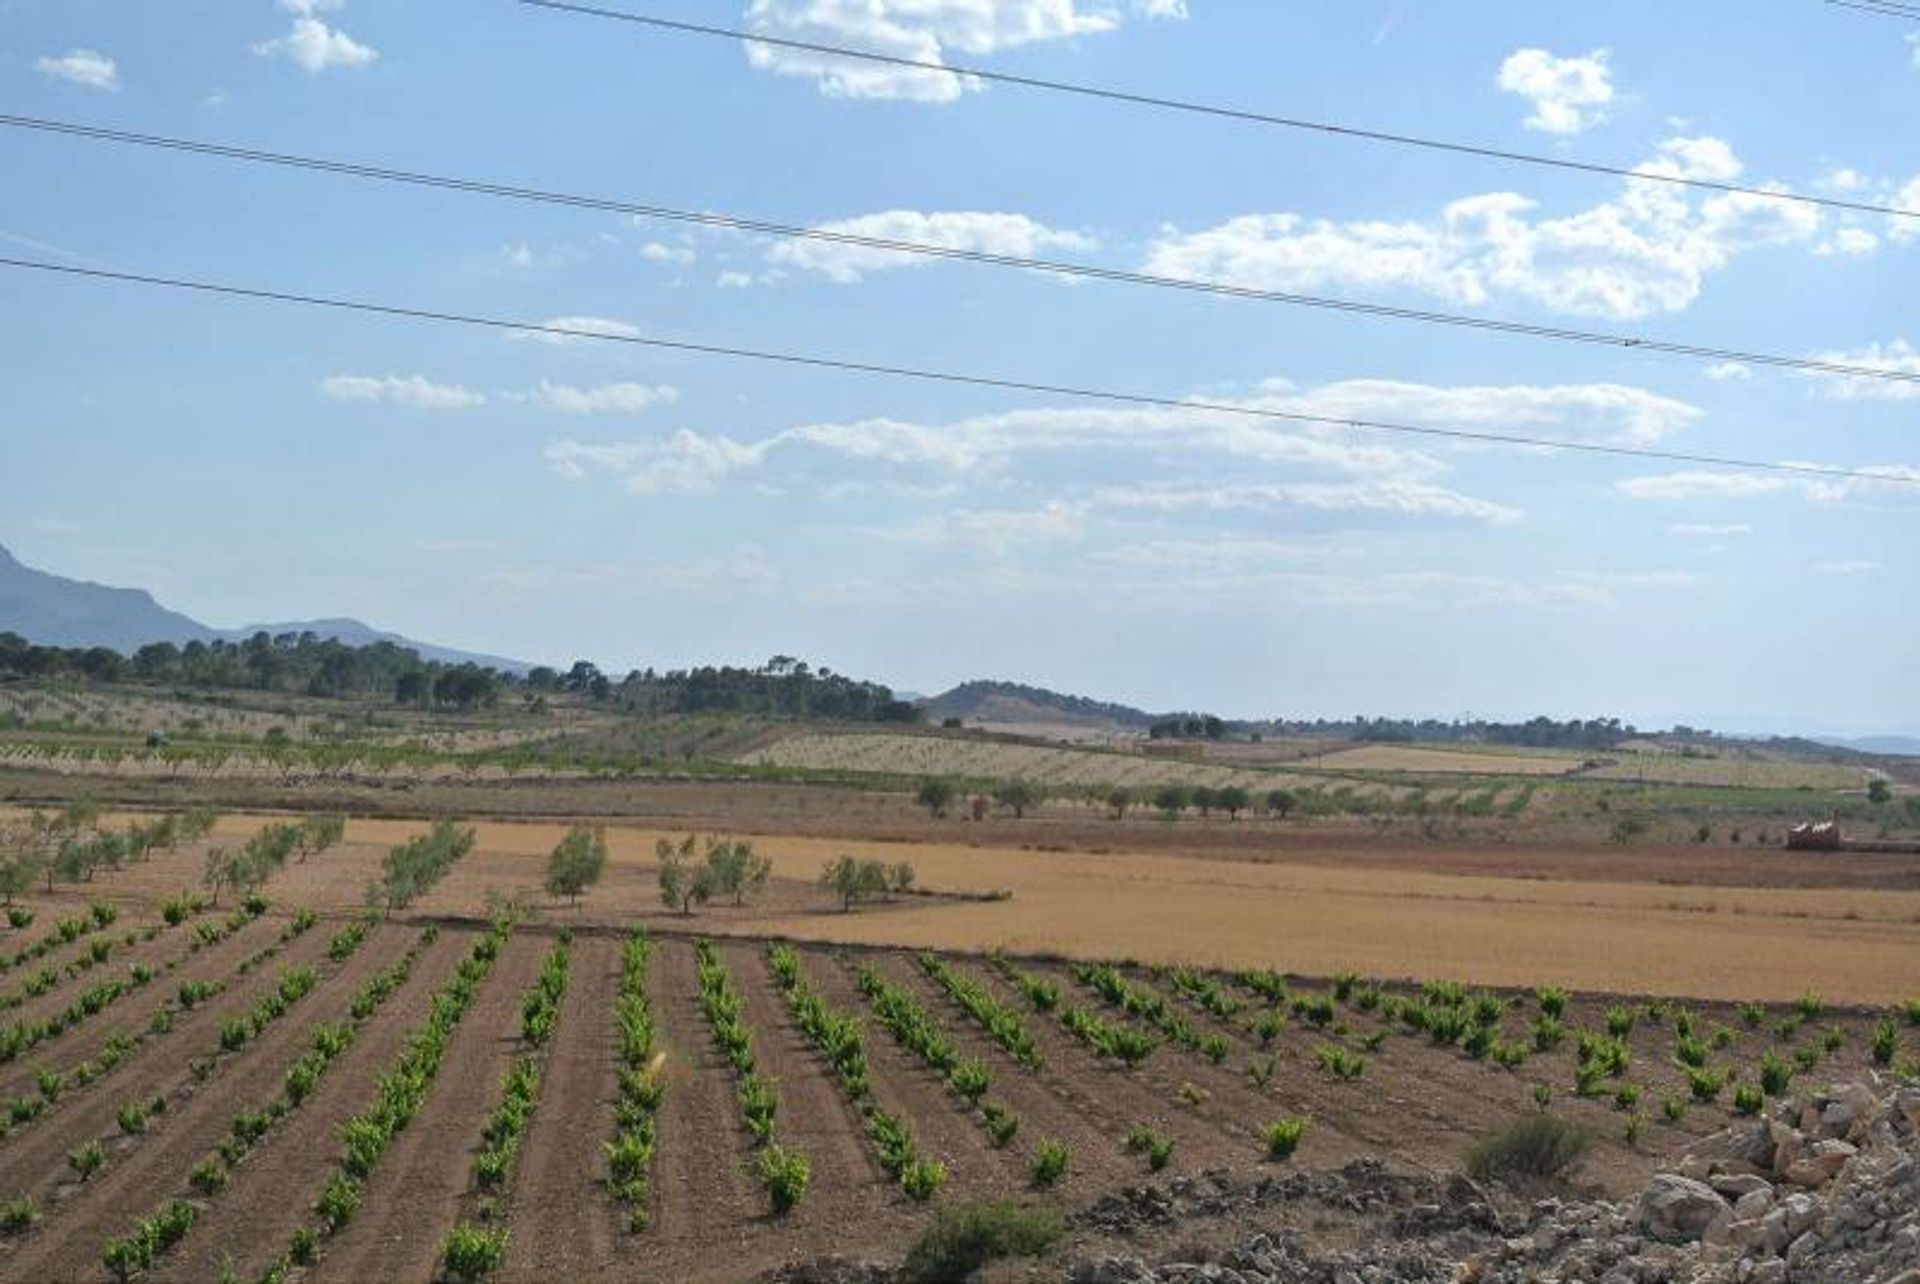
<point>355,633</point>
<point>56,611</point>
<point>1015,702</point>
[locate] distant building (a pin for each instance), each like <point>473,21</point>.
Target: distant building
<point>1815,836</point>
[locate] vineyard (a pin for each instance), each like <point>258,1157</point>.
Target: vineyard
<point>263,1092</point>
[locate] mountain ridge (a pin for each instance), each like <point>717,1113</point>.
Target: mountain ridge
<point>56,610</point>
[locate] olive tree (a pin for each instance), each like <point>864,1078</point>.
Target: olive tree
<point>576,862</point>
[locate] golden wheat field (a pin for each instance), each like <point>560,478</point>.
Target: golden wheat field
<point>1414,758</point>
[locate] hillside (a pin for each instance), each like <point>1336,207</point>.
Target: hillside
<point>1012,703</point>
<point>53,610</point>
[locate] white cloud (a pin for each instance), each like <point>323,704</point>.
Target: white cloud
<point>414,391</point>
<point>996,532</point>
<point>1710,484</point>
<point>81,67</point>
<point>1844,179</point>
<point>1404,498</point>
<point>1711,530</point>
<point>610,398</point>
<point>581,328</point>
<point>1728,371</point>
<point>1648,250</point>
<point>925,31</point>
<point>1568,94</point>
<point>519,255</point>
<point>1899,357</point>
<point>1852,567</point>
<point>1605,412</point>
<point>656,252</point>
<point>1014,235</point>
<point>1905,229</point>
<point>733,280</point>
<point>683,462</point>
<point>311,44</point>
<point>1851,242</point>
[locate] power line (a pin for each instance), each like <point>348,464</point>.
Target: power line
<point>1885,7</point>
<point>739,223</point>
<point>1228,113</point>
<point>850,366</point>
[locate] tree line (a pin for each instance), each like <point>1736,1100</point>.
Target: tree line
<point>306,663</point>
<point>74,844</point>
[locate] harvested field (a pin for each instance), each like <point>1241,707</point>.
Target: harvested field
<point>881,752</point>
<point>1476,761</point>
<point>1732,771</point>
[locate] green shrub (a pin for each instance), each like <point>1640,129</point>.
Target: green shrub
<point>1553,1001</point>
<point>1748,1099</point>
<point>1775,1075</point>
<point>1626,1096</point>
<point>1674,1107</point>
<point>1886,1041</point>
<point>88,1159</point>
<point>338,1202</point>
<point>1543,1095</point>
<point>1338,1062</point>
<point>1706,1084</point>
<point>209,1176</point>
<point>472,1253</point>
<point>963,1240</point>
<point>16,1215</point>
<point>1002,1123</point>
<point>1157,1147</point>
<point>784,1173</point>
<point>1283,1137</point>
<point>1532,1151</point>
<point>1810,1005</point>
<point>1752,1015</point>
<point>923,1178</point>
<point>132,1118</point>
<point>1620,1022</point>
<point>1049,1163</point>
<point>303,1247</point>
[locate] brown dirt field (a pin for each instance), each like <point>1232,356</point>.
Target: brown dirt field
<point>566,1225</point>
<point>1736,942</point>
<point>414,1195</point>
<point>135,1008</point>
<point>158,1067</point>
<point>707,1206</point>
<point>273,1189</point>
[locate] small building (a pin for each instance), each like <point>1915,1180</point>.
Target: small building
<point>1814,836</point>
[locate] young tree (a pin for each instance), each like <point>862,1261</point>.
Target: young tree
<point>735,869</point>
<point>1281,802</point>
<point>576,862</point>
<point>681,884</point>
<point>1018,795</point>
<point>900,878</point>
<point>1119,798</point>
<point>1232,800</point>
<point>317,833</point>
<point>936,795</point>
<point>1205,797</point>
<point>218,872</point>
<point>1879,792</point>
<point>20,859</point>
<point>1170,801</point>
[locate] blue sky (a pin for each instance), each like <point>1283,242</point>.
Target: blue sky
<point>525,497</point>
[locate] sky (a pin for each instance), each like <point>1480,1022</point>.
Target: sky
<point>551,499</point>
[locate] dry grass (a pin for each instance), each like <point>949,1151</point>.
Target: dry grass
<point>1737,770</point>
<point>1476,761</point>
<point>1731,943</point>
<point>909,755</point>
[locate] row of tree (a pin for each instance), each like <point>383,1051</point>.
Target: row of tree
<point>269,851</point>
<point>729,867</point>
<point>419,863</point>
<point>73,844</point>
<point>938,794</point>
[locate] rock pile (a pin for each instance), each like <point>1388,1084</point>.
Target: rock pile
<point>1825,1190</point>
